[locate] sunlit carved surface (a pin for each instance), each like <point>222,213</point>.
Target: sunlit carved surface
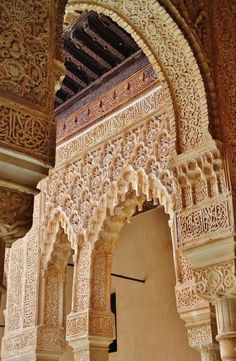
<point>148,142</point>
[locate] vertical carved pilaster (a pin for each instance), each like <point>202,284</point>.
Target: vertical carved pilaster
<point>90,326</point>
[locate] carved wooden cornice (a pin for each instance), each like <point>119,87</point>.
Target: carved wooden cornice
<point>119,96</point>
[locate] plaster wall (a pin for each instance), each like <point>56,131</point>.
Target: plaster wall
<point>148,325</point>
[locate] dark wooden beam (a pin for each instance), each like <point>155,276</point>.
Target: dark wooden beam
<point>77,80</point>
<point>94,55</point>
<point>67,90</point>
<point>88,72</point>
<point>123,70</point>
<point>106,46</point>
<point>58,99</point>
<point>118,32</point>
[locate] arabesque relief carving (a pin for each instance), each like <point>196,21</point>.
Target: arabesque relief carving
<point>107,163</point>
<point>216,281</point>
<point>20,129</point>
<point>15,214</point>
<point>102,176</point>
<point>25,44</point>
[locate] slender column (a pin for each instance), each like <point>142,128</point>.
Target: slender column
<point>226,322</point>
<point>210,354</point>
<point>2,259</point>
<point>90,326</point>
<point>201,327</point>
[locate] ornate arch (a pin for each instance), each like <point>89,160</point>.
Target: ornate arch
<point>58,220</point>
<point>167,49</point>
<point>51,330</point>
<point>88,188</point>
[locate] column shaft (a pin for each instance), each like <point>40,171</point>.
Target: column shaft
<point>226,323</point>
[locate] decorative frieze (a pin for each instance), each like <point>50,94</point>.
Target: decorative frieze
<point>196,225</point>
<point>112,126</point>
<point>109,102</point>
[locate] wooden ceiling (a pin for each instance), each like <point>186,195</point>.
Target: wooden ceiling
<point>95,49</point>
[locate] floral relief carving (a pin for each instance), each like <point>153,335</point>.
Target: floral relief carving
<point>25,41</point>
<point>81,281</point>
<point>187,298</point>
<point>51,339</point>
<point>77,325</point>
<point>225,37</point>
<point>185,270</point>
<point>101,325</point>
<point>51,315</point>
<point>199,335</point>
<point>31,274</point>
<point>20,343</point>
<point>22,296</point>
<point>15,291</point>
<point>215,281</point>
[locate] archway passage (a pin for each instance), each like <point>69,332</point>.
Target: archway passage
<point>156,147</point>
<point>148,325</point>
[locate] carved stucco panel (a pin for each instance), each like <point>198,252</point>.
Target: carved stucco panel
<point>210,220</point>
<point>114,125</point>
<point>25,43</point>
<point>225,38</point>
<point>216,280</point>
<point>22,129</point>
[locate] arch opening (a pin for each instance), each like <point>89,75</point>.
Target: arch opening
<point>164,44</point>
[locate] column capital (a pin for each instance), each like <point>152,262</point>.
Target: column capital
<point>201,327</point>
<point>213,267</point>
<point>215,281</point>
